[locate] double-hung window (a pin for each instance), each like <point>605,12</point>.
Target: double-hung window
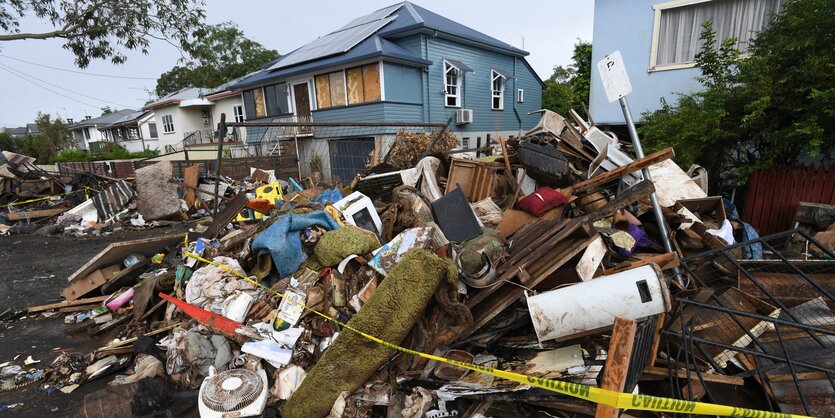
<point>497,88</point>
<point>452,85</point>
<point>239,113</point>
<point>167,124</point>
<point>678,26</point>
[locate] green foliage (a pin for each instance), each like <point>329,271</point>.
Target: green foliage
<point>71,155</point>
<point>102,29</point>
<point>7,143</point>
<point>219,54</point>
<point>52,138</point>
<point>568,87</point>
<point>774,107</point>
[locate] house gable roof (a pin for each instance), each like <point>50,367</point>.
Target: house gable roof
<point>103,120</point>
<point>187,93</point>
<point>368,37</point>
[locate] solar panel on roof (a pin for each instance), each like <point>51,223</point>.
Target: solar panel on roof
<point>333,43</point>
<point>379,14</point>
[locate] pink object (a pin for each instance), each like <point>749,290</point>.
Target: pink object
<point>120,300</point>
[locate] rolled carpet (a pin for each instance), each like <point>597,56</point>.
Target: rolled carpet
<point>389,315</point>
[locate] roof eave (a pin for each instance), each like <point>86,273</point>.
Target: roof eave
<point>420,29</point>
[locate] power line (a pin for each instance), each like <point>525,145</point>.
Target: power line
<point>46,88</point>
<point>8,67</point>
<point>79,72</point>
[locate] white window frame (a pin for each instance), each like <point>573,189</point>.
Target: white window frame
<point>656,33</point>
<point>168,124</point>
<point>458,84</point>
<point>497,94</point>
<point>520,95</point>
<point>86,133</point>
<point>238,113</point>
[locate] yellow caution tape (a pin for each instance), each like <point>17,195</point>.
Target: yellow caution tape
<point>43,198</point>
<point>593,394</point>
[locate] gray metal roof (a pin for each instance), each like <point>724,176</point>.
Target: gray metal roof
<point>187,93</point>
<point>103,120</point>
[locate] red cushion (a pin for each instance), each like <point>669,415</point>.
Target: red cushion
<point>541,201</point>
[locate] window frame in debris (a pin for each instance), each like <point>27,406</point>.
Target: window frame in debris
<point>238,113</point>
<point>497,95</point>
<point>167,124</point>
<point>459,75</point>
<point>670,6</point>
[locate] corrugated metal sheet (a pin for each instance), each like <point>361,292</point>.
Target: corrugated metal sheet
<point>113,199</point>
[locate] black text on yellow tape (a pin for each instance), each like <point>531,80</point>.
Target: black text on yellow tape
<point>589,393</point>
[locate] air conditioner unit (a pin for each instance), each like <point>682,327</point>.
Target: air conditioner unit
<point>463,116</point>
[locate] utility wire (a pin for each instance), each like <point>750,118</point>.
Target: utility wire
<point>47,88</point>
<point>79,72</point>
<point>7,67</point>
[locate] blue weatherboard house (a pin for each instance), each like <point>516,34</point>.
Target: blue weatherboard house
<point>658,41</point>
<point>401,63</point>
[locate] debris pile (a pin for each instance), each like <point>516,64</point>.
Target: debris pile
<point>516,283</point>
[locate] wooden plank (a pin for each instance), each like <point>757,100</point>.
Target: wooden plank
<point>337,85</point>
<point>356,92</point>
<point>260,108</point>
<point>66,304</point>
<point>656,339</point>
<point>617,173</point>
<point>664,373</point>
<point>36,214</point>
<point>665,261</point>
<point>323,91</point>
<point>190,178</point>
<point>617,362</point>
<point>116,252</point>
<point>91,282</point>
<point>371,82</point>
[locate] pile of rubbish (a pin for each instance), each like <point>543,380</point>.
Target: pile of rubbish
<point>556,257</point>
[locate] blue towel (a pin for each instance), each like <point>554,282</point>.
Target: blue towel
<point>282,239</point>
<point>332,195</point>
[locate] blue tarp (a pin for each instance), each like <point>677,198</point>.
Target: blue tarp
<point>282,239</point>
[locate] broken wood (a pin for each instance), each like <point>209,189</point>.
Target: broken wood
<point>66,304</point>
<point>509,173</point>
<point>664,373</point>
<point>36,214</point>
<point>617,362</point>
<point>617,173</point>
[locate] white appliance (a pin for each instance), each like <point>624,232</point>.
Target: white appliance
<point>463,116</point>
<point>236,392</point>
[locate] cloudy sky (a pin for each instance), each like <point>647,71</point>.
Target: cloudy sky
<point>547,29</point>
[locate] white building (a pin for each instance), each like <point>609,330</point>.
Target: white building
<point>87,131</point>
<point>136,131</point>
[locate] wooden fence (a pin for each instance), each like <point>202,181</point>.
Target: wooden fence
<point>285,165</point>
<point>773,195</point>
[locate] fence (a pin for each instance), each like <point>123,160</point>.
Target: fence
<point>285,165</point>
<point>344,148</point>
<point>773,195</point>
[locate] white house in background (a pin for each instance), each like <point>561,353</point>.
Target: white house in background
<point>183,117</point>
<point>86,132</point>
<point>135,131</point>
<point>231,103</point>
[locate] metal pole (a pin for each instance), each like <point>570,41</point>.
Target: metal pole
<point>656,208</point>
<point>221,134</point>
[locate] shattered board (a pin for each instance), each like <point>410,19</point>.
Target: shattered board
<point>157,197</point>
<point>673,184</point>
<point>113,199</point>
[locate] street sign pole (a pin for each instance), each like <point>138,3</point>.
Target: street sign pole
<point>617,85</point>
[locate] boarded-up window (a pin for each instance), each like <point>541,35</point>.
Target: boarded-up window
<point>260,109</point>
<point>323,91</point>
<point>362,84</point>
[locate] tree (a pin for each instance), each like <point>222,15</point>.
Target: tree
<point>53,137</point>
<point>106,110</point>
<point>776,106</point>
<point>104,29</point>
<point>219,54</point>
<point>568,87</point>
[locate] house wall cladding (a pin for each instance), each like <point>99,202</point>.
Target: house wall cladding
<point>477,91</point>
<point>773,196</point>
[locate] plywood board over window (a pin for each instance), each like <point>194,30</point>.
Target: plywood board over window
<point>337,82</point>
<point>323,91</point>
<point>356,93</point>
<point>260,109</point>
<point>371,82</point>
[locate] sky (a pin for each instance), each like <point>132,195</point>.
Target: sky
<point>547,29</point>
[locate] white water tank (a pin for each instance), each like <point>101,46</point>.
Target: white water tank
<point>589,307</point>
